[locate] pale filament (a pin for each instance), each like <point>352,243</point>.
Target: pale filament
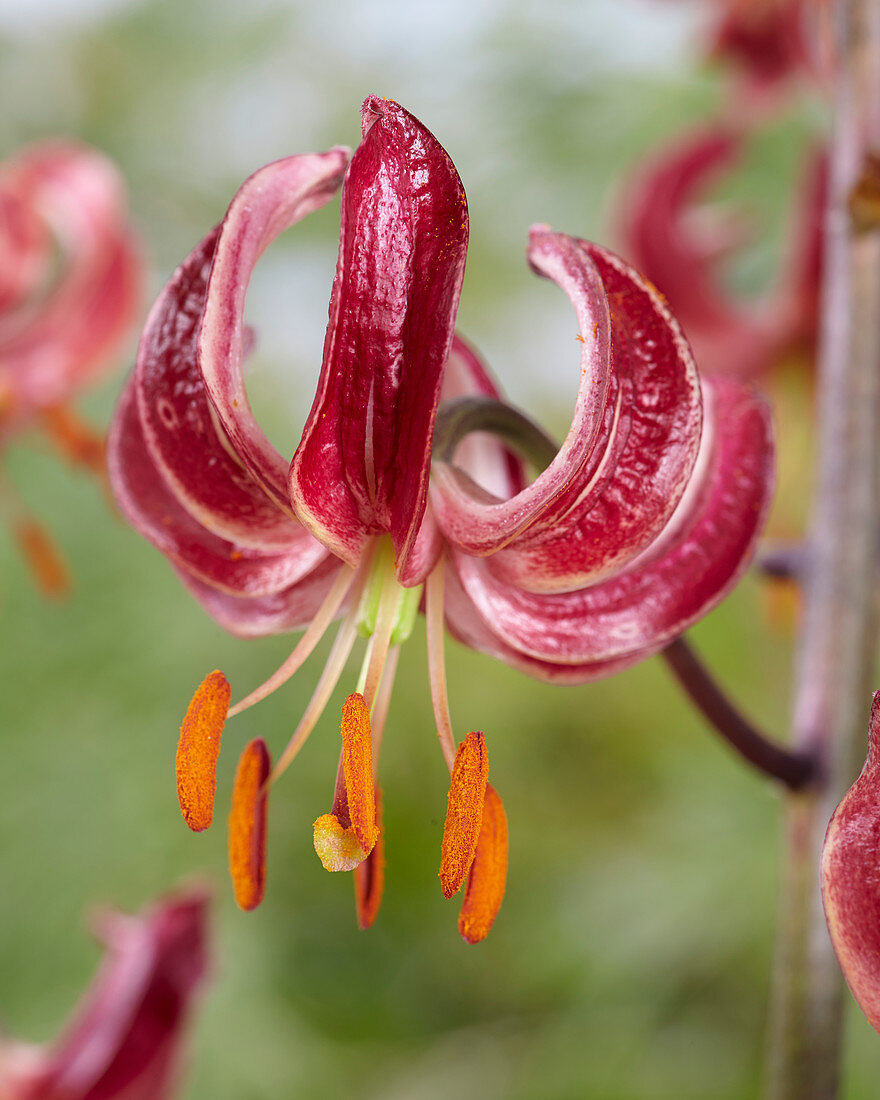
<point>377,651</point>
<point>436,660</point>
<point>379,713</point>
<point>336,662</point>
<point>314,632</point>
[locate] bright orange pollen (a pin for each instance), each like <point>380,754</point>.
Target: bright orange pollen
<point>369,876</point>
<point>247,825</point>
<point>464,812</point>
<point>488,874</point>
<point>357,757</point>
<point>44,558</point>
<point>198,749</point>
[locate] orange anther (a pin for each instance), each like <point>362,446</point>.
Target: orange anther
<point>488,876</point>
<point>369,876</point>
<point>247,825</point>
<point>198,749</point>
<point>44,558</point>
<point>338,847</point>
<point>357,758</point>
<point>464,812</point>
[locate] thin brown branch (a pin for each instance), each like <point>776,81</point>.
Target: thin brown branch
<point>793,769</point>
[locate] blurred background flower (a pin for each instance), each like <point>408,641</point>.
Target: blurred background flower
<point>632,956</point>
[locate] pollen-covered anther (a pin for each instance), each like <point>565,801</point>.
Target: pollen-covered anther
<point>488,875</point>
<point>464,812</point>
<point>338,847</point>
<point>198,749</point>
<point>247,825</point>
<point>369,876</point>
<point>357,758</point>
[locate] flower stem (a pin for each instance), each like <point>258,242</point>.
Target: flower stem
<point>839,638</point>
<point>794,769</point>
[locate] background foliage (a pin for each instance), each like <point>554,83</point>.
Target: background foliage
<point>632,956</point>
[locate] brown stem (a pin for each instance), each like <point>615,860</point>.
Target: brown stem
<point>838,642</point>
<point>793,769</point>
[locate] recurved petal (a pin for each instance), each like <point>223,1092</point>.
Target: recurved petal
<point>362,466</point>
<point>268,202</point>
<point>686,572</point>
<point>851,879</point>
<point>124,1039</point>
<point>629,453</point>
<point>57,335</point>
<point>150,506</point>
<point>211,452</point>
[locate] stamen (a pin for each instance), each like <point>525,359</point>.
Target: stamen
<point>78,441</point>
<point>314,632</point>
<point>488,874</point>
<point>337,846</point>
<point>436,660</point>
<point>369,876</point>
<point>44,557</point>
<point>464,812</point>
<point>198,749</point>
<point>339,654</point>
<point>357,756</point>
<point>247,825</point>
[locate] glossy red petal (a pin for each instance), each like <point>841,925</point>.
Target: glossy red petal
<point>152,509</point>
<point>362,466</point>
<point>609,492</point>
<point>124,1040</point>
<point>851,879</point>
<point>483,456</point>
<point>691,566</point>
<point>58,333</point>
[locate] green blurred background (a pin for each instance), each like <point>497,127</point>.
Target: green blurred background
<point>632,956</point>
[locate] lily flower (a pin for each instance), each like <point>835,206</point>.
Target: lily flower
<point>124,1040</point>
<point>69,292</point>
<point>641,521</point>
<point>678,245</point>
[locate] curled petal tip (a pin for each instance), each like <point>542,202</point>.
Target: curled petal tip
<point>851,880</point>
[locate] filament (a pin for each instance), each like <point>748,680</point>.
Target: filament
<point>304,647</point>
<point>437,661</point>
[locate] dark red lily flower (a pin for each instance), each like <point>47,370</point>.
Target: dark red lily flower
<point>69,292</point>
<point>851,879</point>
<point>678,252</point>
<point>124,1040</point>
<point>642,521</point>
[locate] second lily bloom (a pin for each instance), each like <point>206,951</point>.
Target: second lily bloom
<point>641,522</point>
